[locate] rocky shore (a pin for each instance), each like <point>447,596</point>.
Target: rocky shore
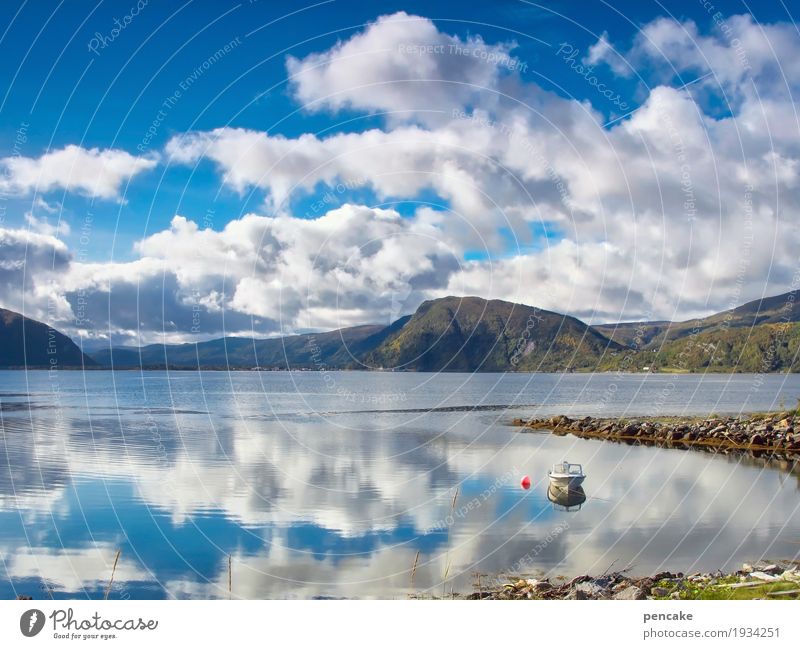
<point>775,433</point>
<point>779,580</point>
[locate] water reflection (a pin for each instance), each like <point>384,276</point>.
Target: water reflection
<point>568,500</point>
<point>311,505</point>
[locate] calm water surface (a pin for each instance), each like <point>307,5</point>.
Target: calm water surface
<point>328,484</point>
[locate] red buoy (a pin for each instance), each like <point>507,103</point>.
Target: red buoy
<point>525,483</point>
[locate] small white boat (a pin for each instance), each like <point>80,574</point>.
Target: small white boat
<point>566,476</point>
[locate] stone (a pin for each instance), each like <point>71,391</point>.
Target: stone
<point>631,592</point>
<point>757,440</point>
<point>663,575</point>
<point>576,594</point>
<point>659,592</point>
<point>589,587</point>
<point>763,576</point>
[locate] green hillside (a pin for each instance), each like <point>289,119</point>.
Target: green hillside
<point>472,334</point>
<point>769,310</point>
<point>764,348</point>
<point>467,334</point>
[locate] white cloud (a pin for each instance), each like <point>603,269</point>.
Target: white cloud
<point>739,55</point>
<point>93,172</point>
<point>603,51</point>
<point>651,210</point>
<point>257,276</point>
<point>669,213</point>
<point>400,63</point>
<point>32,264</point>
<point>43,226</point>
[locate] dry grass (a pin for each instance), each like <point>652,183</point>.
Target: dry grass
<point>113,570</point>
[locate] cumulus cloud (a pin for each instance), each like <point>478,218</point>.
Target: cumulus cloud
<point>735,52</point>
<point>671,212</point>
<point>259,275</point>
<point>400,63</point>
<point>92,172</point>
<point>340,269</point>
<point>459,162</point>
<point>603,52</point>
<point>31,265</point>
<point>645,212</point>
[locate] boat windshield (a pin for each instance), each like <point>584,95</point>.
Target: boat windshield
<point>566,467</point>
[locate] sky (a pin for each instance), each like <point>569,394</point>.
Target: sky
<point>182,171</point>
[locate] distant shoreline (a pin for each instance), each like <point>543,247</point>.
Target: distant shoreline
<point>777,433</point>
<point>310,370</point>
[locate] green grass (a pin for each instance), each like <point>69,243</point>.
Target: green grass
<point>688,590</point>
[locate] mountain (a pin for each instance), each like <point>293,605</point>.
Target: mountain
<point>759,336</point>
<point>333,349</point>
<point>768,310</point>
<point>769,347</point>
<point>26,343</point>
<point>449,334</point>
<point>473,334</point>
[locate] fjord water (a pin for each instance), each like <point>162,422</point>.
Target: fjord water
<point>334,484</point>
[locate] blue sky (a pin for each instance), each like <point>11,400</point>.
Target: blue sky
<point>68,94</point>
<point>70,80</point>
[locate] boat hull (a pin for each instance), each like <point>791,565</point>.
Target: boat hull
<point>566,499</point>
<point>566,482</point>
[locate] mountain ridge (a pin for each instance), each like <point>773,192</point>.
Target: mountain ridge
<point>28,343</point>
<point>472,334</point>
